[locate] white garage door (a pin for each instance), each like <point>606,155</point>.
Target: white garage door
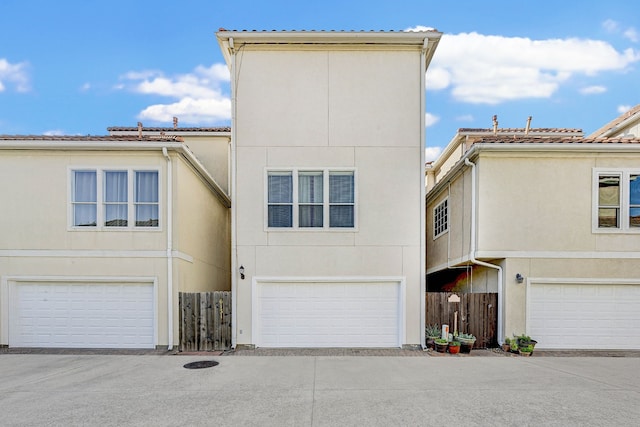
<point>82,315</point>
<point>328,314</point>
<point>585,316</point>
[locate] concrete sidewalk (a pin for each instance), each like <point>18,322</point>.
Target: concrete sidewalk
<point>45,389</point>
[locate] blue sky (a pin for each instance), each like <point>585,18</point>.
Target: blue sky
<point>77,67</point>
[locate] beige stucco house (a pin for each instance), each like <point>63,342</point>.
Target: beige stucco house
<point>99,234</point>
<point>550,223</point>
<point>327,165</point>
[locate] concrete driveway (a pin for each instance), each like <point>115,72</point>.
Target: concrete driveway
<point>49,389</point>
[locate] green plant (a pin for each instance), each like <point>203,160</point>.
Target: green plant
<point>454,343</point>
<point>466,337</point>
<point>526,349</point>
<point>441,341</point>
<point>432,330</point>
<point>507,341</point>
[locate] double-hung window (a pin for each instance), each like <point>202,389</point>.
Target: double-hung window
<point>310,199</point>
<point>616,200</point>
<point>114,198</point>
<point>441,218</point>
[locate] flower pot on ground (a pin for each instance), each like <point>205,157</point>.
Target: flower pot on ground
<point>526,350</point>
<point>466,342</point>
<point>506,346</point>
<point>441,345</point>
<point>526,341</point>
<point>432,332</point>
<point>454,347</point>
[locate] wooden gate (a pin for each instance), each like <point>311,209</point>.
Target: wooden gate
<point>205,321</point>
<point>477,315</point>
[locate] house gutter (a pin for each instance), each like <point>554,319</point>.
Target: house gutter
<point>169,248</point>
<point>472,252</point>
<point>232,184</point>
<point>423,207</point>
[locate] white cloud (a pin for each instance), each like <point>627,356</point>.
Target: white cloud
<point>198,95</point>
<point>431,153</point>
<point>54,132</point>
<point>483,69</point>
<point>592,90</point>
<point>610,25</point>
<point>14,75</point>
<point>623,108</point>
<point>430,119</point>
<point>632,34</point>
<point>465,118</point>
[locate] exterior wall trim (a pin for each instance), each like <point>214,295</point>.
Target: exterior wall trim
<point>87,253</point>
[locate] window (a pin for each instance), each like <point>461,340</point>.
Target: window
<point>441,218</point>
<point>618,200</point>
<point>114,198</point>
<point>322,199</point>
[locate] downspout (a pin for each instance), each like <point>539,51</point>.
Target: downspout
<point>423,195</point>
<point>232,184</point>
<point>472,252</point>
<point>169,249</point>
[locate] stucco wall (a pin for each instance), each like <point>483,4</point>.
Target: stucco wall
<point>323,108</point>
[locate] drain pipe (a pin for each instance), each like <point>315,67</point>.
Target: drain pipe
<point>169,249</point>
<point>472,252</point>
<point>232,185</point>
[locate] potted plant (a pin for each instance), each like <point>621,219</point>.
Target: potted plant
<point>526,350</point>
<point>525,340</point>
<point>441,345</point>
<point>432,332</point>
<point>454,347</point>
<point>466,342</point>
<point>506,347</point>
<point>514,346</point>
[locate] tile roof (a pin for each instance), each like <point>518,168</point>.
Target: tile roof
<point>521,130</point>
<point>554,140</point>
<point>615,122</point>
<point>169,129</point>
<point>93,138</point>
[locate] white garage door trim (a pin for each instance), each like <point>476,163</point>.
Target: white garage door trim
<point>256,339</point>
<point>603,333</point>
<point>8,288</point>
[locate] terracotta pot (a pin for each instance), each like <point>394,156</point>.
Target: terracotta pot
<point>454,349</point>
<point>441,348</point>
<point>506,348</point>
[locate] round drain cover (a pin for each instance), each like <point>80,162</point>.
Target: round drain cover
<point>201,364</point>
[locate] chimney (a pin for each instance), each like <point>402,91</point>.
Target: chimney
<point>175,123</point>
<point>526,130</point>
<point>495,124</point>
<point>139,130</point>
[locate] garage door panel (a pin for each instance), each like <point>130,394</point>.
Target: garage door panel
<point>95,315</point>
<point>589,316</point>
<point>327,314</point>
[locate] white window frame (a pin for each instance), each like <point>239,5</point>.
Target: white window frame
<point>326,171</point>
<point>624,174</point>
<point>441,223</point>
<point>100,202</point>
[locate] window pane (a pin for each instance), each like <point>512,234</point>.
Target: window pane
<point>115,215</point>
<point>634,217</point>
<point>84,187</point>
<point>634,190</point>
<point>608,218</point>
<point>147,187</point>
<point>280,187</point>
<point>115,186</point>
<point>341,187</point>
<point>280,216</point>
<point>310,187</point>
<point>84,215</point>
<point>341,216</point>
<point>147,215</point>
<point>609,191</point>
<point>310,216</point>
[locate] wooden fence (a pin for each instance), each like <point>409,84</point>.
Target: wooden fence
<point>205,321</point>
<point>477,315</point>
